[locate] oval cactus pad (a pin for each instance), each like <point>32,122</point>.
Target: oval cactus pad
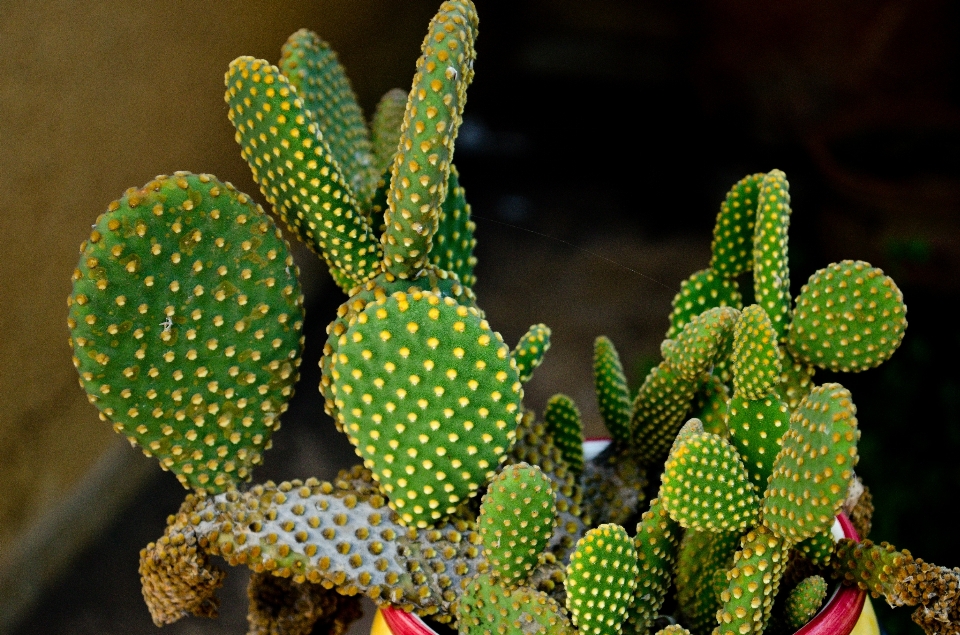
<point>185,320</point>
<point>430,397</point>
<point>849,317</point>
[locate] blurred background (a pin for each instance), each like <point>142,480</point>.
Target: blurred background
<point>598,142</point>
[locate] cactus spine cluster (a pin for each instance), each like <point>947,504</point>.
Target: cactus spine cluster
<point>186,320</point>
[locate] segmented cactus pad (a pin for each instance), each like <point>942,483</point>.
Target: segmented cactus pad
<point>752,583</point>
<point>185,321</point>
<point>601,579</point>
<point>702,562</point>
<point>561,418</point>
<point>530,350</point>
<point>294,166</point>
<point>756,355</point>
<point>656,542</point>
<point>705,486</point>
<point>516,521</point>
<point>771,266</point>
<point>812,473</point>
<point>701,339</point>
<point>733,233</point>
<point>756,427</point>
<point>804,601</point>
<point>489,608</point>
<point>849,317</point>
<point>703,290</point>
<point>453,243</point>
<point>659,411</point>
<point>613,394</point>
<point>430,397</point>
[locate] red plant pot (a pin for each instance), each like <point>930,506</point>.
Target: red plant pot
<point>839,615</point>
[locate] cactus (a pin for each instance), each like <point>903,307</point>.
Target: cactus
<point>186,326</point>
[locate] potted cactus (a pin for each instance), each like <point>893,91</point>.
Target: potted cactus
<point>713,509</point>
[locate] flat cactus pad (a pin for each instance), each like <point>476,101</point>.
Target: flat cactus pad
<point>516,521</point>
<point>406,364</point>
<point>703,290</point>
<point>733,233</point>
<point>812,473</point>
<point>185,321</point>
<point>489,608</point>
<point>756,356</point>
<point>601,579</point>
<point>613,394</point>
<point>849,317</point>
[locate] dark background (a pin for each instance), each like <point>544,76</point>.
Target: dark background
<point>598,141</point>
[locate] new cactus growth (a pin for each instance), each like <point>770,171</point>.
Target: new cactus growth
<point>186,320</point>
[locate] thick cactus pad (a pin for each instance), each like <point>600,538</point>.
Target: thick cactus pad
<point>756,355</point>
<point>659,410</point>
<point>702,562</point>
<point>489,608</point>
<point>516,521</point>
<point>385,128</point>
<point>185,321</point>
<point>321,82</point>
<point>733,233</point>
<point>804,601</point>
<point>601,579</point>
<point>771,267</point>
<point>408,363</point>
<point>752,583</point>
<point>613,394</point>
<point>295,168</point>
<point>812,473</point>
<point>430,123</point>
<point>700,341</point>
<point>453,243</point>
<point>796,379</point>
<point>529,352</point>
<point>756,428</point>
<point>703,290</point>
<point>656,543</point>
<point>849,317</point>
<point>561,418</point>
<point>818,549</point>
<point>710,406</point>
<point>705,486</point>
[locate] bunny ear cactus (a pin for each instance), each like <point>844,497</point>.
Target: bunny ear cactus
<point>186,319</point>
<point>187,287</point>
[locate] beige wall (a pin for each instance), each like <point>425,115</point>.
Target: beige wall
<point>98,97</point>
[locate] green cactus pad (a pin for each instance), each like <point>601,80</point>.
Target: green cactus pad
<point>673,629</point>
<point>756,428</point>
<point>430,123</point>
<point>408,363</point>
<point>702,561</point>
<point>378,203</point>
<point>704,485</point>
<point>656,543</point>
<point>710,406</point>
<point>601,579</point>
<point>818,548</point>
<point>812,473</point>
<point>756,356</point>
<point>530,350</point>
<point>294,166</point>
<point>659,411</point>
<point>752,583</point>
<point>849,317</point>
<point>771,268</point>
<point>613,394</point>
<point>185,322</point>
<point>385,127</point>
<point>453,243</point>
<point>322,85</point>
<point>804,601</point>
<point>703,290</point>
<point>489,608</point>
<point>562,421</point>
<point>796,379</point>
<point>733,233</point>
<point>696,346</point>
<point>516,521</point>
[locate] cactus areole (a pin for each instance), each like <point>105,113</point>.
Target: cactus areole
<point>186,324</point>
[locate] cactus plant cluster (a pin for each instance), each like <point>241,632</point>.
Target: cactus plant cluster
<point>186,318</point>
